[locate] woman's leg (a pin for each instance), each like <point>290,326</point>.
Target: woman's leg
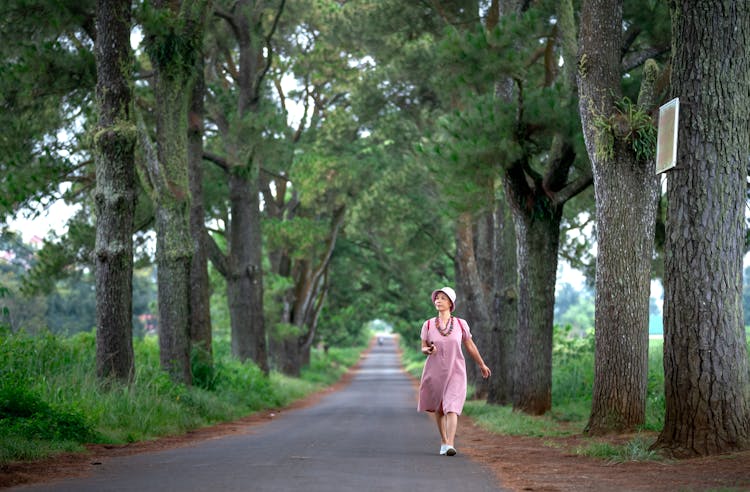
<point>451,424</point>
<point>440,420</point>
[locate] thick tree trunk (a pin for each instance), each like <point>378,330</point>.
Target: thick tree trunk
<point>504,326</point>
<point>705,353</point>
<point>200,312</point>
<point>173,257</point>
<point>289,359</point>
<point>625,243</point>
<point>245,276</point>
<point>173,244</point>
<point>626,193</point>
<point>114,147</point>
<point>538,240</point>
<point>472,291</point>
<point>172,85</point>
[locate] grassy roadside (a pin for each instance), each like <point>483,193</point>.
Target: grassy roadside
<point>572,383</point>
<point>51,401</point>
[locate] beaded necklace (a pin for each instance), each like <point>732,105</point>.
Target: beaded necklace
<point>440,330</point>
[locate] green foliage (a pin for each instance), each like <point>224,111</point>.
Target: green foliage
<point>172,41</point>
<point>630,124</point>
<point>47,75</point>
<point>327,367</point>
<point>51,400</point>
<point>302,237</point>
<point>24,413</point>
<point>576,309</point>
<point>572,366</point>
<point>503,420</point>
<point>636,449</point>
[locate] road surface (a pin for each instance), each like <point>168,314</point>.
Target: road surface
<point>365,437</point>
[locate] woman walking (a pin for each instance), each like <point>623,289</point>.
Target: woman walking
<point>442,390</point>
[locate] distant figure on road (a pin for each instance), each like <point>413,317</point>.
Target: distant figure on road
<point>443,387</point>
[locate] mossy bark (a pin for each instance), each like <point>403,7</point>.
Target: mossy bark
<point>173,241</point>
<point>705,352</point>
<point>114,147</point>
<point>200,312</point>
<point>626,195</point>
<point>172,44</point>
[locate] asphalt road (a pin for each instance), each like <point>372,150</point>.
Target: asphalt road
<point>365,437</point>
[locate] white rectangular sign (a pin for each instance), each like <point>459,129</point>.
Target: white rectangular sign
<point>666,139</point>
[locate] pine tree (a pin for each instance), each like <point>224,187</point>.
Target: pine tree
<point>114,150</point>
<point>705,352</point>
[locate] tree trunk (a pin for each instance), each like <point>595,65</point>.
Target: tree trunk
<point>473,291</point>
<point>173,258</point>
<point>626,192</point>
<point>114,147</point>
<point>200,309</point>
<point>173,244</point>
<point>504,327</point>
<point>290,357</point>
<point>172,85</point>
<point>538,240</point>
<point>245,276</point>
<point>625,241</point>
<point>705,352</point>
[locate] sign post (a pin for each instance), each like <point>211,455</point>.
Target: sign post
<point>666,139</point>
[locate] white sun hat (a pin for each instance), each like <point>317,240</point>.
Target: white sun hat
<point>448,292</point>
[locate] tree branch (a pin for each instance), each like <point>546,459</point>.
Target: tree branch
<point>216,255</point>
<point>634,60</point>
<point>229,18</point>
<point>216,159</point>
<point>629,38</point>
<point>562,156</point>
<point>573,189</point>
<point>269,47</point>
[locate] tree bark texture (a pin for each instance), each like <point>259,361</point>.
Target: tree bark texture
<point>245,276</point>
<point>623,276</point>
<point>472,292</point>
<point>626,196</point>
<point>114,147</point>
<point>173,242</point>
<point>174,64</point>
<point>538,239</point>
<point>245,279</point>
<point>200,309</point>
<point>502,345</point>
<point>705,352</point>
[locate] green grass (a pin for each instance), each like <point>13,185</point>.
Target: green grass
<point>503,420</point>
<point>51,400</point>
<point>636,449</point>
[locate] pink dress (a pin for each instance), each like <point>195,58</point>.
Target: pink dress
<point>444,372</point>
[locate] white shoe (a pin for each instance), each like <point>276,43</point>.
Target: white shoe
<point>450,450</point>
<point>443,449</point>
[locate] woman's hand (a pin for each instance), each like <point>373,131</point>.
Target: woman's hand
<point>485,371</point>
<point>429,349</point>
